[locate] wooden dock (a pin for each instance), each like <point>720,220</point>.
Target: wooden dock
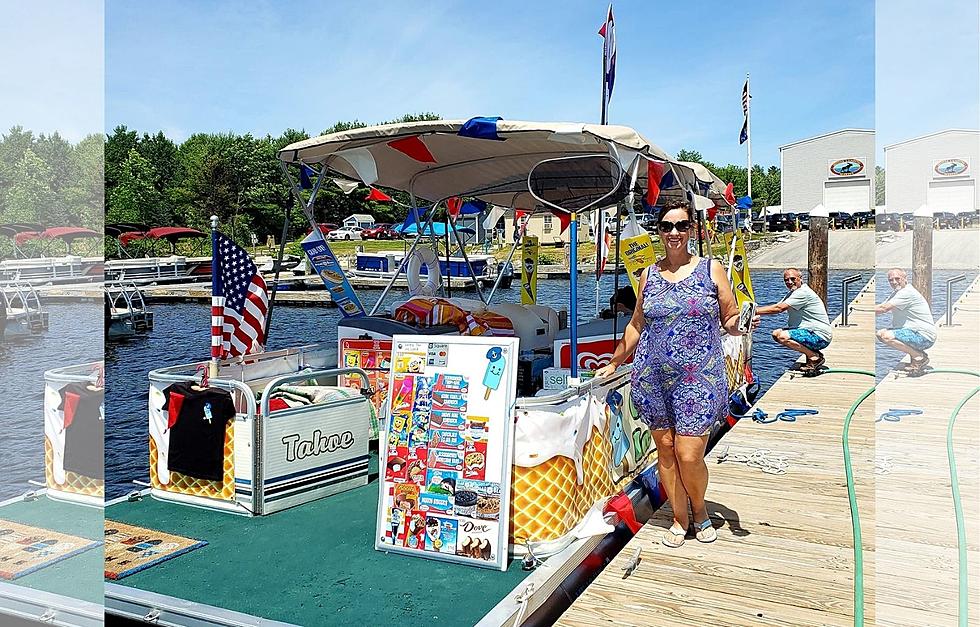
<point>784,553</point>
<point>916,540</point>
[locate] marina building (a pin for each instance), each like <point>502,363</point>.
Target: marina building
<point>835,169</point>
<point>938,169</point>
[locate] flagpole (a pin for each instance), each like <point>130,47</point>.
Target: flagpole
<point>217,316</point>
<point>603,119</point>
<point>573,306</point>
<point>748,132</point>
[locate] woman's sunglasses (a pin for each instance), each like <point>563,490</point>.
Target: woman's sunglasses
<point>666,226</point>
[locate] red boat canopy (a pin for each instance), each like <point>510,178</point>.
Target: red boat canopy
<point>13,229</point>
<point>68,233</point>
<point>25,236</point>
<point>129,236</point>
<point>174,233</point>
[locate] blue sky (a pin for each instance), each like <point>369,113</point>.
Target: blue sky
<point>260,67</point>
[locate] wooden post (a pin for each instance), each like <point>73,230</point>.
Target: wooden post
<point>922,252</point>
<point>817,252</point>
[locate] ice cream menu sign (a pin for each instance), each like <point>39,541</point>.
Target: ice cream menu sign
<point>445,464</point>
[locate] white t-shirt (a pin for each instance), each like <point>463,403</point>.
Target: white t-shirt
<point>912,312</point>
<point>807,311</point>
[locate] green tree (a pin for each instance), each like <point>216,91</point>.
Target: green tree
<point>29,195</point>
<point>161,152</point>
<point>86,196</point>
<point>117,148</point>
<point>879,185</point>
<point>134,198</point>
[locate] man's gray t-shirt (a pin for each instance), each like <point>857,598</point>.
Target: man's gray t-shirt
<point>807,311</point>
<point>911,311</point>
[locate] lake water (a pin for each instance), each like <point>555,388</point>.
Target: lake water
<point>181,335</point>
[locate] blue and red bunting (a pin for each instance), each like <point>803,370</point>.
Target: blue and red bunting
<point>744,202</point>
<point>480,128</point>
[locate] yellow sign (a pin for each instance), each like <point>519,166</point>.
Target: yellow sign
<point>636,251</point>
<point>738,270</point>
<point>529,270</point>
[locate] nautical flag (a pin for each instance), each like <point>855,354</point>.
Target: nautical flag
<point>744,135</point>
<point>239,301</point>
<point>608,32</point>
<point>305,172</point>
<point>602,240</point>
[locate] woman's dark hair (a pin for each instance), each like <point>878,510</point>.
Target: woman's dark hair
<point>670,205</point>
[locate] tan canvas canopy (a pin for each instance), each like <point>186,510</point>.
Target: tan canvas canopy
<point>434,160</point>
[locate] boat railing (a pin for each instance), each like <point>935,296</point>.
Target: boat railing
<point>23,301</point>
<point>146,268</point>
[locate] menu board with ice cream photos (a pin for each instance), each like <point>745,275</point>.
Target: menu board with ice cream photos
<point>446,446</point>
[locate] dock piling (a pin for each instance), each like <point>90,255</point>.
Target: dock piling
<point>817,251</point>
<point>922,252</point>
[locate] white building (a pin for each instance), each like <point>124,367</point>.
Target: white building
<point>938,169</point>
<point>359,221</point>
<point>836,170</point>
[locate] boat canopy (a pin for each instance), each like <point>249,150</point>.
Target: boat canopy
<point>436,228</point>
<point>486,158</point>
<point>173,233</point>
<point>68,233</point>
<point>12,229</point>
<point>115,230</point>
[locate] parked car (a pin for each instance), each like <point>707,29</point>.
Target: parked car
<point>946,220</point>
<point>907,219</point>
<point>380,231</point>
<point>781,222</point>
<point>842,220</point>
<point>346,233</point>
<point>325,227</point>
<point>804,219</point>
<point>723,224</point>
<point>972,217</point>
<point>864,218</point>
<point>887,222</point>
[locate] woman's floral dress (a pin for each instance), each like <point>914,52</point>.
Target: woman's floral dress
<point>678,376</point>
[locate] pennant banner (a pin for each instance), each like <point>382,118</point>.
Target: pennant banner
<point>346,186</point>
<point>414,148</point>
<point>529,270</point>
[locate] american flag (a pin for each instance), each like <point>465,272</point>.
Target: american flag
<point>239,301</point>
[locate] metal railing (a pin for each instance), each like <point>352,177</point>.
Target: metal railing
<point>949,298</point>
<point>845,298</point>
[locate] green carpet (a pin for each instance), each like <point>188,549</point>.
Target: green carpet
<point>78,577</point>
<point>311,565</point>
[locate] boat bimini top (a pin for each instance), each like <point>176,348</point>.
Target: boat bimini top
<point>485,158</point>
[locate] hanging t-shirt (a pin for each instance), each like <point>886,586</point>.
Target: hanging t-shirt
<point>84,423</point>
<point>807,311</point>
<point>197,419</point>
<point>912,312</point>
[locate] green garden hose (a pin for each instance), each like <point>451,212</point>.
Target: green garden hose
<point>852,497</point>
<point>964,578</point>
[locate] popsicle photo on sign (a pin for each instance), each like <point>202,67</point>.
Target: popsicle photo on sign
<point>495,370</point>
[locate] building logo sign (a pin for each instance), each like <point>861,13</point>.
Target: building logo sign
<point>846,167</point>
<point>951,167</point>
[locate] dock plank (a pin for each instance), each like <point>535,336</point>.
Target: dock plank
<point>784,553</point>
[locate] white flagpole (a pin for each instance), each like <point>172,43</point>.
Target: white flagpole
<point>748,130</point>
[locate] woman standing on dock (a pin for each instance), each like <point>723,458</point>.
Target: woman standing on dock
<point>678,383</point>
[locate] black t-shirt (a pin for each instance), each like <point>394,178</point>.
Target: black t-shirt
<point>197,420</point>
<point>84,421</point>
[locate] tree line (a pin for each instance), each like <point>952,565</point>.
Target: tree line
<point>129,177</point>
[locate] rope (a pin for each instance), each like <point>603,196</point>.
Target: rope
<point>896,415</point>
<point>763,459</point>
<point>522,602</point>
<point>964,586</point>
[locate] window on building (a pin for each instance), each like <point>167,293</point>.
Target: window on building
<point>547,224</point>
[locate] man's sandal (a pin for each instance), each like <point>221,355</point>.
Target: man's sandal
<point>814,366</point>
<point>674,537</point>
<point>705,531</point>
